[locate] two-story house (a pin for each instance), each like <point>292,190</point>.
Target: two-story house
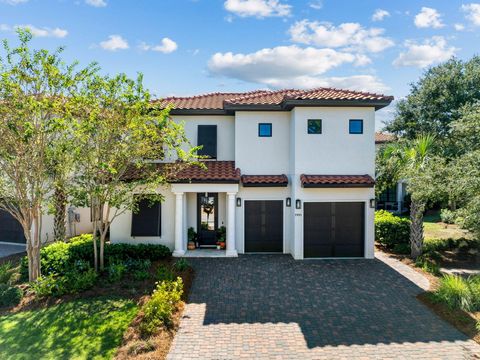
<point>289,171</point>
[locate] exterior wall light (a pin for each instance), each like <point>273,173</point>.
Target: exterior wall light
<point>239,202</point>
<point>288,202</point>
<point>372,203</point>
<point>298,204</point>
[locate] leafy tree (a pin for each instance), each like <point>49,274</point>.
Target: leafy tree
<point>412,161</point>
<point>35,88</point>
<point>436,100</point>
<point>120,138</point>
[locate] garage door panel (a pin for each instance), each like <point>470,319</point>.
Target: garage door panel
<point>10,229</point>
<point>263,226</point>
<point>334,229</point>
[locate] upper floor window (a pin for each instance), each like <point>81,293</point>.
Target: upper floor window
<point>355,126</point>
<point>207,137</point>
<point>265,129</point>
<point>314,126</point>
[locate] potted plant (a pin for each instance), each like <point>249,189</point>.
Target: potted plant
<point>192,236</point>
<point>221,236</point>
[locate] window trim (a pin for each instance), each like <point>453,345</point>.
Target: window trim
<point>350,129</point>
<point>271,129</point>
<point>315,133</point>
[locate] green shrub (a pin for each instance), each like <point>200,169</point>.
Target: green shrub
<point>76,281</point>
<point>141,275</point>
<point>165,274</point>
<point>10,295</point>
<point>115,271</point>
<point>181,264</point>
<point>391,230</point>
<point>49,285</point>
<point>60,257</point>
<point>448,216</point>
<point>428,263</point>
<point>402,249</point>
<point>159,309</point>
<point>455,292</point>
<point>8,273</point>
<point>474,286</point>
<point>138,264</point>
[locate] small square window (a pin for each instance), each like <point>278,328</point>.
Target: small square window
<point>355,126</point>
<point>264,130</point>
<point>314,126</point>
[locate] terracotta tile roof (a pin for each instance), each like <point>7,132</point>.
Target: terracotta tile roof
<point>337,180</point>
<point>381,138</point>
<point>216,171</point>
<point>217,101</point>
<point>264,180</point>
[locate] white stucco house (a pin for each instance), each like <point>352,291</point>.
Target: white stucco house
<point>289,171</point>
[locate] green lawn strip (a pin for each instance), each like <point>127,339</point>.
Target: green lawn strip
<point>80,329</point>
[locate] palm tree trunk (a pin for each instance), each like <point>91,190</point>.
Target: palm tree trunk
<point>416,228</point>
<point>59,229</point>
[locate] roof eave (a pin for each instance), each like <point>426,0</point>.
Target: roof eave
<point>337,186</point>
<point>377,104</point>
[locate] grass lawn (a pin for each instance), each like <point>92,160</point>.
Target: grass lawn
<point>434,228</point>
<point>79,329</point>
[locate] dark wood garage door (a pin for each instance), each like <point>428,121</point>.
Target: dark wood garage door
<point>334,229</point>
<point>10,229</point>
<point>263,226</point>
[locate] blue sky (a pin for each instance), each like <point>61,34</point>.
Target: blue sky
<point>187,47</point>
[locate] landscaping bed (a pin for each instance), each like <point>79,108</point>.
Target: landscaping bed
<point>136,282</point>
<point>454,298</point>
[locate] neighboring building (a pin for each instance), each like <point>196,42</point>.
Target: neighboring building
<point>290,171</point>
<point>393,198</point>
<point>77,222</point>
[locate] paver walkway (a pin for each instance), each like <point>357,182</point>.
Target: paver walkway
<point>273,307</point>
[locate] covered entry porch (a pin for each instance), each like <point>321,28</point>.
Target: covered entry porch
<point>205,207</point>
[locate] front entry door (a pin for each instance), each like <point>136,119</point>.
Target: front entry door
<point>207,218</point>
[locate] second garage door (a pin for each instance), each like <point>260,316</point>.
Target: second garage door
<point>334,229</point>
<point>263,226</point>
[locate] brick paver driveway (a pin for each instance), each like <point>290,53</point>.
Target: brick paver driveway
<point>272,307</point>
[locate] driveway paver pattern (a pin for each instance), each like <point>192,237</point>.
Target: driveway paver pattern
<point>273,307</point>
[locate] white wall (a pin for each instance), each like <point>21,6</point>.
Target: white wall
<point>262,155</point>
<point>121,227</point>
<point>225,132</point>
<point>334,151</point>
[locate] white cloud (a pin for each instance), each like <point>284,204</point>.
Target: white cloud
<point>472,13</point>
<point>459,27</point>
<point>166,46</point>
<point>380,14</point>
<point>428,18</point>
<point>289,66</point>
<point>114,43</point>
<point>257,8</point>
<point>13,2</point>
<point>431,51</point>
<point>347,35</point>
<point>37,31</point>
<point>316,4</point>
<point>96,3</point>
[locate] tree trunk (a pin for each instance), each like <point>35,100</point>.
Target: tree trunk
<point>94,237</point>
<point>60,199</point>
<point>102,248</point>
<point>416,228</point>
<point>33,249</point>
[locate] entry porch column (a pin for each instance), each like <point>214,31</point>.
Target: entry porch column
<point>179,218</point>
<point>231,245</point>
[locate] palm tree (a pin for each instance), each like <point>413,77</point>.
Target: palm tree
<point>409,160</point>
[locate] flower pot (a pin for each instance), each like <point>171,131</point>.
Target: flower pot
<point>191,245</point>
<point>218,247</point>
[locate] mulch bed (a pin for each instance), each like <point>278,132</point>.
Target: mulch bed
<point>133,346</point>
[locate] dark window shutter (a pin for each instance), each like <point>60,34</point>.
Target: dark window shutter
<point>148,220</point>
<point>207,136</point>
